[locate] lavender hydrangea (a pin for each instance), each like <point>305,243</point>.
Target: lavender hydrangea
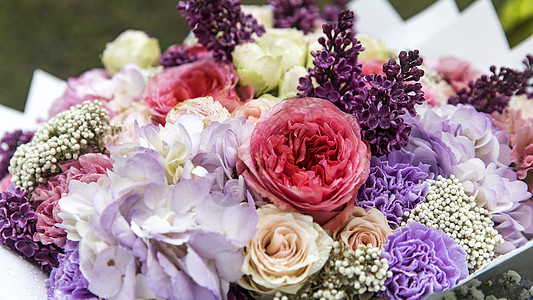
<point>218,155</point>
<point>17,227</point>
<point>378,101</point>
<point>142,237</point>
<point>428,146</point>
<point>66,281</point>
<point>8,144</point>
<point>422,261</point>
<point>394,186</point>
<point>300,14</point>
<point>219,25</point>
<point>492,93</point>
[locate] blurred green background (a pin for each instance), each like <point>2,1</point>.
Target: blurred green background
<point>65,38</point>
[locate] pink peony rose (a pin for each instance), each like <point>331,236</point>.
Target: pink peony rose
<point>458,73</point>
<point>88,168</point>
<point>306,155</point>
<point>198,79</point>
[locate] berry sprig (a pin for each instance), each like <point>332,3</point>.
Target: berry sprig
<point>66,136</point>
<point>219,25</point>
<point>492,93</point>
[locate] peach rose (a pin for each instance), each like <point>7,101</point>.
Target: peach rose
<point>363,228</point>
<point>287,249</point>
<point>256,108</point>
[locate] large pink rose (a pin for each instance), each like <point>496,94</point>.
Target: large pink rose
<point>306,155</point>
<point>202,78</point>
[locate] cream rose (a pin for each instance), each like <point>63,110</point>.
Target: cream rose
<point>287,249</point>
<point>206,108</point>
<point>364,228</point>
<point>131,46</point>
<point>256,108</point>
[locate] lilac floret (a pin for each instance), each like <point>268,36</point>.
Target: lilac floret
<point>18,226</point>
<point>422,261</point>
<point>492,93</point>
<point>8,144</point>
<point>394,186</point>
<point>66,281</point>
<point>300,14</point>
<point>219,25</point>
<point>378,101</point>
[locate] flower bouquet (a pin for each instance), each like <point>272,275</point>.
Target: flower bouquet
<point>277,154</point>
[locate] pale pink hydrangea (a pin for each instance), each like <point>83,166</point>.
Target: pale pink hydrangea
<point>117,92</point>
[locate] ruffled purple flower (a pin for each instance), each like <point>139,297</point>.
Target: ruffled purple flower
<point>8,144</point>
<point>422,261</point>
<point>66,281</point>
<point>394,186</point>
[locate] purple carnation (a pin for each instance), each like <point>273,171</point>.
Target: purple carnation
<point>422,261</point>
<point>394,186</point>
<point>8,144</point>
<point>66,281</point>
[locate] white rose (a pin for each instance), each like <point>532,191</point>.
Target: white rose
<point>262,63</point>
<point>262,13</point>
<point>288,86</point>
<point>131,46</point>
<point>287,249</point>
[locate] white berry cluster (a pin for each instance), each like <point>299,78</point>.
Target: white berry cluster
<point>64,137</point>
<point>346,274</point>
<point>449,209</point>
